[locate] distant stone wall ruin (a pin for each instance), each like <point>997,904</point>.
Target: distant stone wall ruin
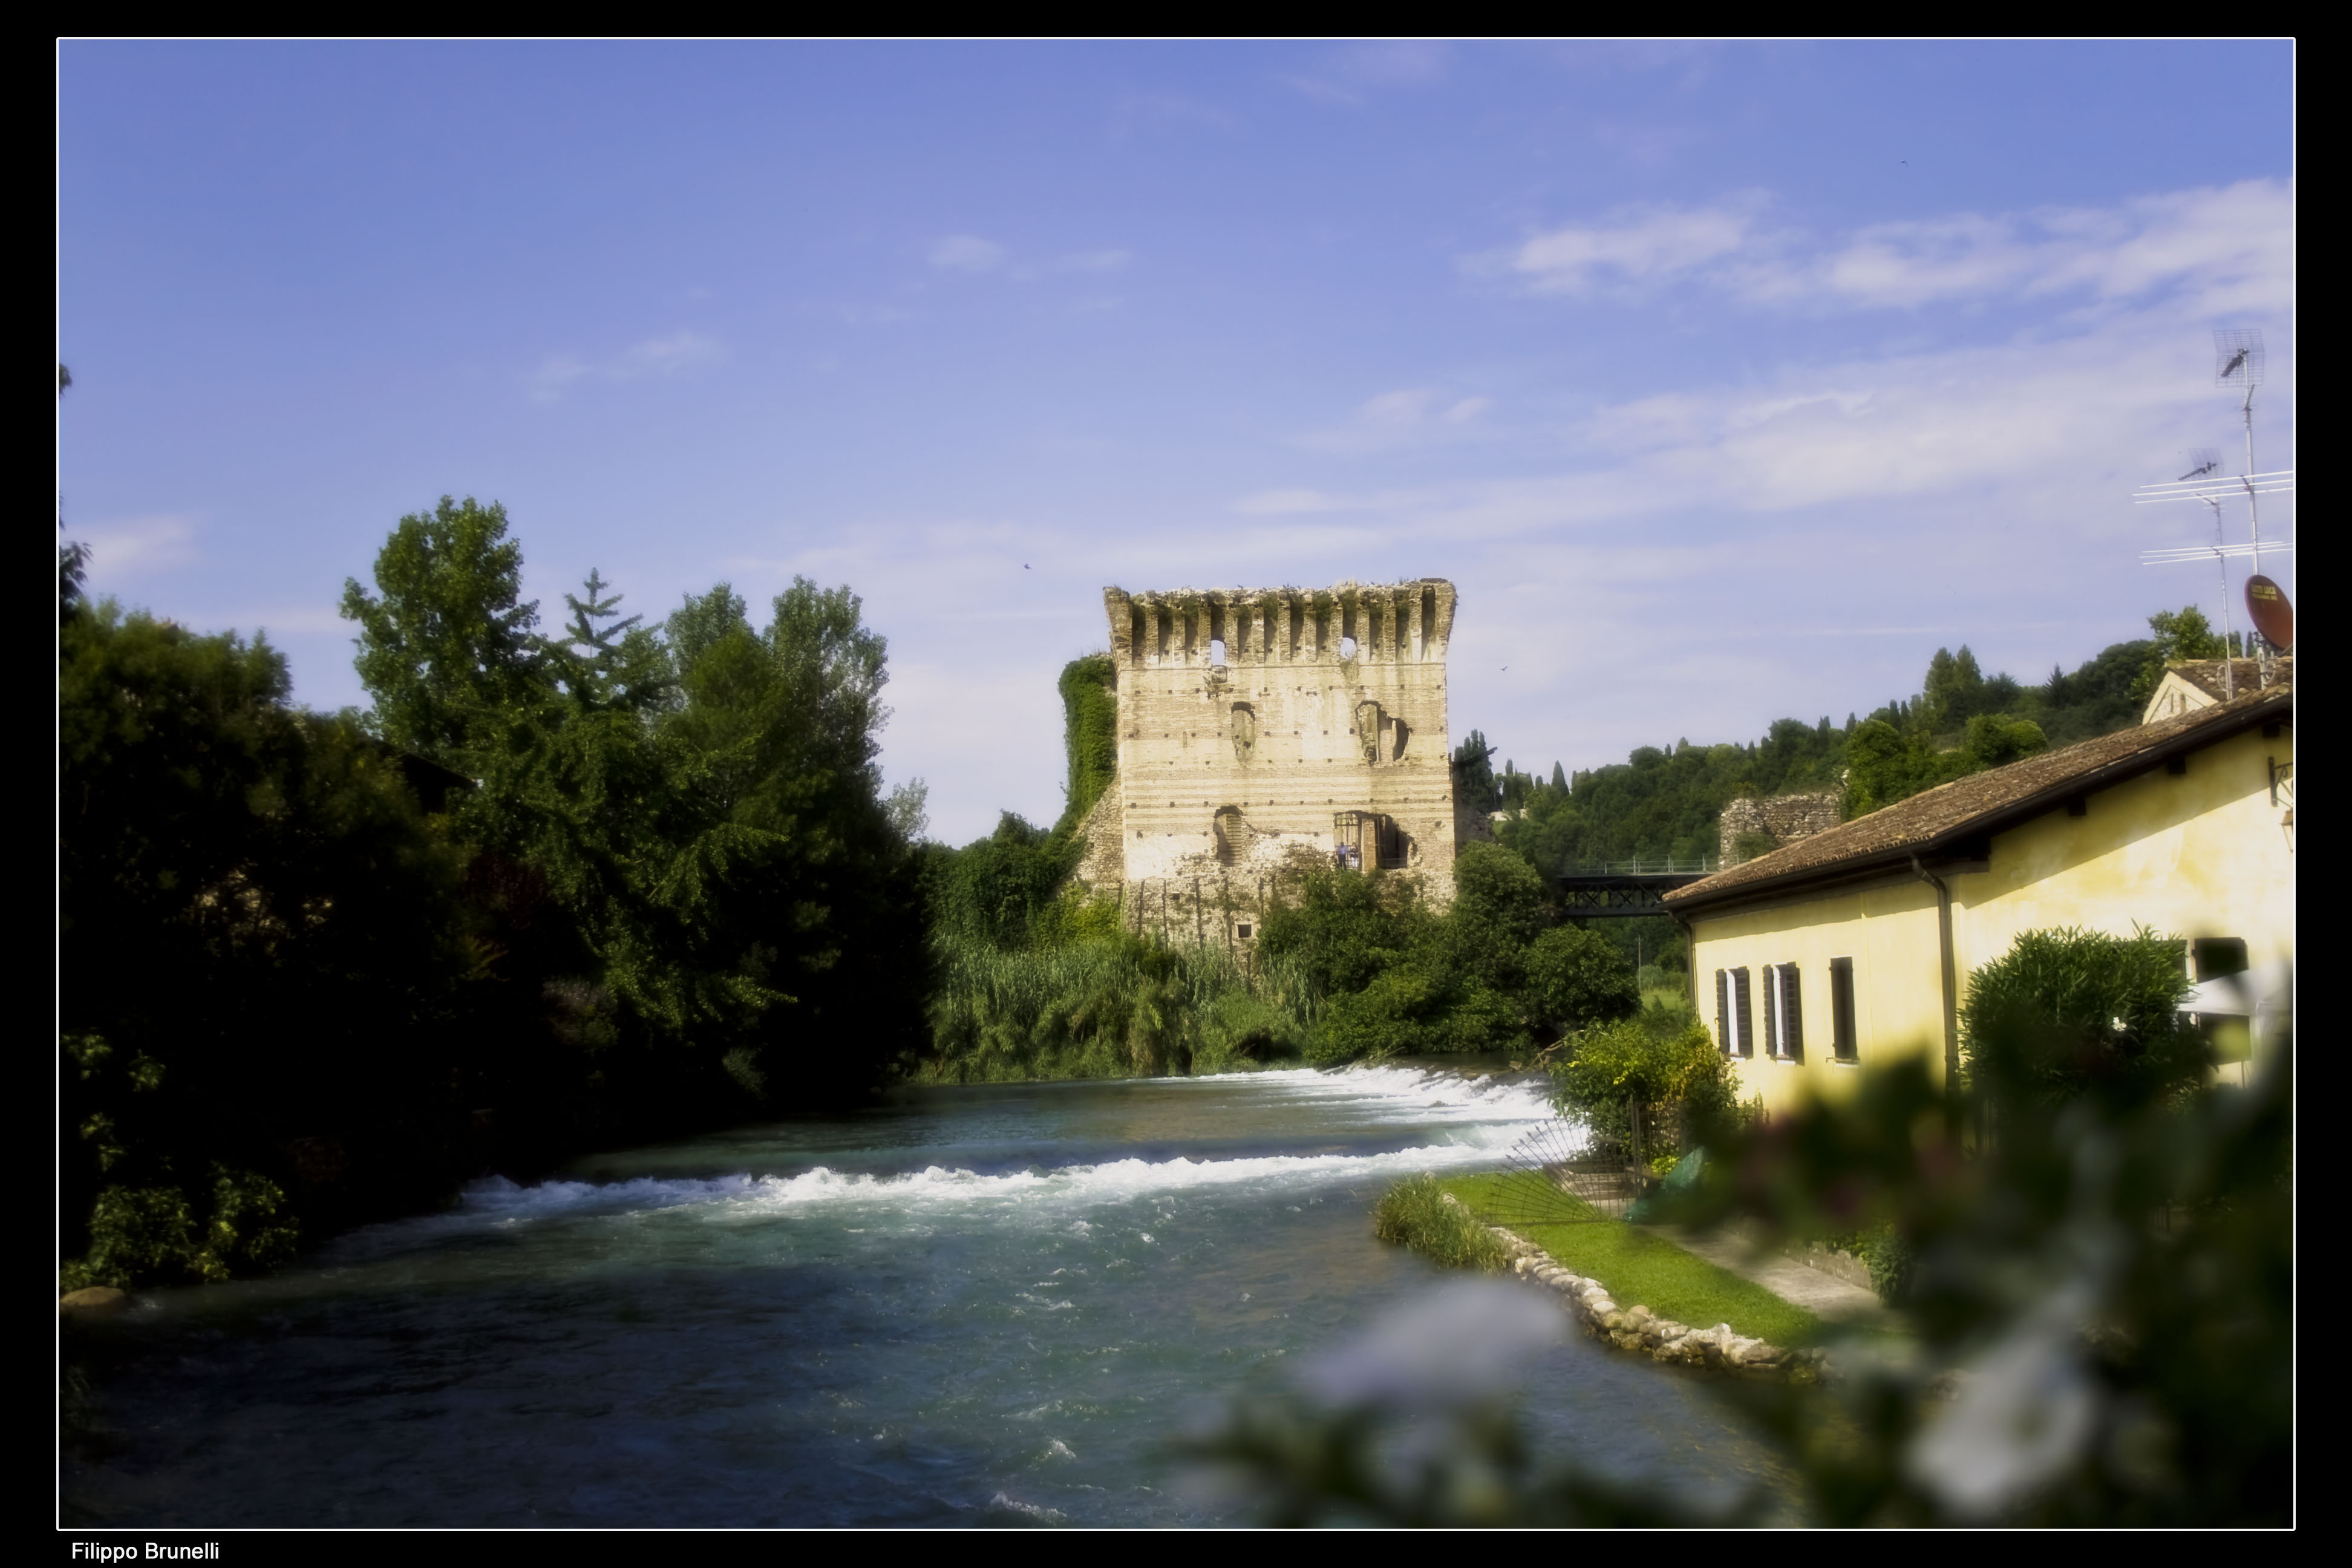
<point>1786,818</point>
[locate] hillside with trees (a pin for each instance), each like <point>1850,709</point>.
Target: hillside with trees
<point>1664,803</point>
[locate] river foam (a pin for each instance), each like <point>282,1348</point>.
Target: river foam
<point>1461,1123</point>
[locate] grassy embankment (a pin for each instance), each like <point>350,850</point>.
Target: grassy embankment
<point>1638,1269</point>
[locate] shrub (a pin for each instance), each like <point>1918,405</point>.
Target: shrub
<point>1662,1059</point>
<point>1577,978</point>
<point>1416,1212</point>
<point>139,1234</point>
<point>1400,1012</point>
<point>1886,1254</point>
<point>2069,1013</point>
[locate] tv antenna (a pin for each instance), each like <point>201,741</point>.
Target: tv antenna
<point>2237,362</point>
<point>2204,462</point>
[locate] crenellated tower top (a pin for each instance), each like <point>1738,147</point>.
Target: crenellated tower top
<point>1353,623</point>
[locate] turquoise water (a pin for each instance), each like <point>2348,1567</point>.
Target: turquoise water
<point>972,1306</point>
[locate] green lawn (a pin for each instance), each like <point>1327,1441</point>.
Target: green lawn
<point>1643,1270</point>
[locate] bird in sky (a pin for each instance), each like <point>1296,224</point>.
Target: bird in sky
<point>1025,566</point>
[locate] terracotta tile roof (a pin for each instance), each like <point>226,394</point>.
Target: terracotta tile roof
<point>2205,674</point>
<point>1941,822</point>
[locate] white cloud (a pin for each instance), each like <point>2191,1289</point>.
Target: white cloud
<point>1349,76</point>
<point>1285,504</point>
<point>1392,409</point>
<point>301,620</point>
<point>1137,111</point>
<point>2231,246</point>
<point>662,356</point>
<point>967,253</point>
<point>1405,417</point>
<point>556,376</point>
<point>669,355</point>
<point>138,547</point>
<point>1649,245</point>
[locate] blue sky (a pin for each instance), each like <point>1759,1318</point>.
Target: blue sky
<point>1727,382</point>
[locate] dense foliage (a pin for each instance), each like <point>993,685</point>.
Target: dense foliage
<point>1666,801</point>
<point>262,950</point>
<point>2070,1014</point>
<point>1036,979</point>
<point>2100,1322</point>
<point>1662,1062</point>
<point>1496,972</point>
<point>551,891</point>
<point>698,810</point>
<point>2181,636</point>
<point>1090,733</point>
<point>2110,1257</point>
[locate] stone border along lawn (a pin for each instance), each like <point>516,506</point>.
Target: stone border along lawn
<point>1595,1264</point>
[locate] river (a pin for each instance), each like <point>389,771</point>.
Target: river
<point>968,1305</point>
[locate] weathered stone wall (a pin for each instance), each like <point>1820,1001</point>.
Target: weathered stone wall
<point>1786,817</point>
<point>1249,718</point>
<point>1102,863</point>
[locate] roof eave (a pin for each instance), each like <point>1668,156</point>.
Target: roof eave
<point>1952,842</point>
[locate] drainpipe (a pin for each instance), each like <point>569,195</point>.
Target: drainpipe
<point>1951,1004</point>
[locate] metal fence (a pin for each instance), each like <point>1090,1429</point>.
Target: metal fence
<point>1647,866</point>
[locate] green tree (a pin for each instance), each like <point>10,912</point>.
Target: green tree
<point>1501,904</point>
<point>1994,741</point>
<point>2095,699</point>
<point>2181,635</point>
<point>1473,774</point>
<point>1954,691</point>
<point>1344,930</point>
<point>699,815</point>
<point>445,647</point>
<point>1884,764</point>
<point>1577,978</point>
<point>262,962</point>
<point>1663,1060</point>
<point>73,557</point>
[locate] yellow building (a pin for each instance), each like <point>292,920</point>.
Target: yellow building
<point>2202,682</point>
<point>1856,944</point>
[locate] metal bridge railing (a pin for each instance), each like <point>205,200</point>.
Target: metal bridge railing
<point>1647,866</point>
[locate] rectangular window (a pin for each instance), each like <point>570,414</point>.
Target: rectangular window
<point>1841,1009</point>
<point>1743,1013</point>
<point>2211,957</point>
<point>1784,1013</point>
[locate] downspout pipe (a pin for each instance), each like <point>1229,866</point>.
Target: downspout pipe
<point>1951,992</point>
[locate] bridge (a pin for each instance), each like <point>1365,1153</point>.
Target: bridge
<point>1621,890</point>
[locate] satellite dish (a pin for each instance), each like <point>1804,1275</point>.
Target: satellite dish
<point>2274,617</point>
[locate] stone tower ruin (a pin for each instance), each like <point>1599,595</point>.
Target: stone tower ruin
<point>1264,731</point>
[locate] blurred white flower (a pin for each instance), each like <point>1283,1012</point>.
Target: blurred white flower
<point>2021,1420</point>
<point>1455,1344</point>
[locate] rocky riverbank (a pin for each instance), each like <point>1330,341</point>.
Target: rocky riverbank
<point>1639,1328</point>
